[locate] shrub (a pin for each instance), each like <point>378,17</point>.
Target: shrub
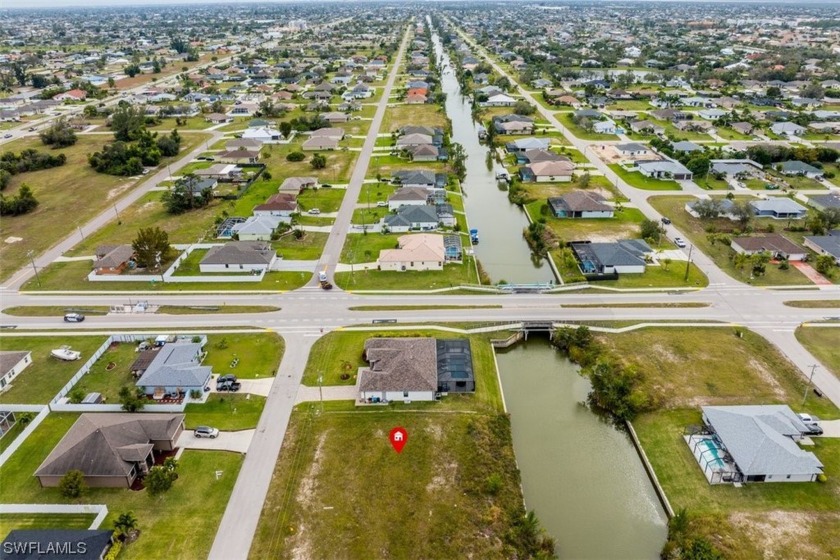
<point>159,480</point>
<point>72,484</point>
<point>296,156</point>
<point>114,551</point>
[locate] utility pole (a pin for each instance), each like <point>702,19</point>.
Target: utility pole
<point>321,390</point>
<point>810,380</point>
<point>80,231</point>
<point>117,212</point>
<point>35,268</point>
<point>688,263</point>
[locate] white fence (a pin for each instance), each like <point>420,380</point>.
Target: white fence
<point>68,407</point>
<point>22,407</point>
<point>101,510</point>
<point>23,435</point>
<point>168,276</point>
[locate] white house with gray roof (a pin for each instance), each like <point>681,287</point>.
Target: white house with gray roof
<point>12,363</point>
<point>176,369</point>
<point>237,256</point>
<point>755,443</point>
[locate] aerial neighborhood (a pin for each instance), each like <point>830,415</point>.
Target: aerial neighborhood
<point>277,277</point>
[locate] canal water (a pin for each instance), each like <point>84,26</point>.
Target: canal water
<point>581,475</point>
<point>502,250</point>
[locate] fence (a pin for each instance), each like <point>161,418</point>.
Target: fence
<point>68,407</point>
<point>23,435</point>
<point>101,510</point>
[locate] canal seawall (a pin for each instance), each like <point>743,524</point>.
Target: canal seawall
<point>666,505</point>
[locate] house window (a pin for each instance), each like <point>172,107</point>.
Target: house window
<point>227,266</point>
<point>405,394</point>
<point>788,477</point>
<point>460,383</point>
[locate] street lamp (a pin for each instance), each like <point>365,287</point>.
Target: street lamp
<point>35,268</point>
<point>688,262</point>
<point>810,380</point>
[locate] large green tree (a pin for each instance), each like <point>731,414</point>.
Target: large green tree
<point>151,247</point>
<point>128,123</point>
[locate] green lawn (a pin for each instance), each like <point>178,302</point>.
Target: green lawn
<point>12,521</point>
<point>197,495</point>
<point>822,343</point>
<point>227,412</point>
<point>368,216</point>
<point>54,310</point>
<point>10,435</point>
<point>106,381</point>
<point>625,224</point>
<point>639,181</point>
<point>190,266</point>
<point>213,309</point>
<point>338,168</point>
<point>308,247</point>
<point>696,232</point>
<point>72,276</point>
<point>567,121</point>
<point>710,183</point>
<point>418,115</point>
<point>672,276</point>
<point>58,191</point>
<point>453,274</point>
<point>259,354</point>
<point>326,200</point>
<point>359,247</point>
<point>42,380</point>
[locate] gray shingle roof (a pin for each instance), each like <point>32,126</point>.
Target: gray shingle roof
<point>108,444</point>
<point>240,252</point>
<point>759,438</point>
<point>176,365</point>
<point>80,544</point>
<point>580,201</point>
<point>10,359</point>
<point>400,364</point>
<point>408,215</point>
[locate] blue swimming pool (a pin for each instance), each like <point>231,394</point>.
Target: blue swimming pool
<point>711,452</point>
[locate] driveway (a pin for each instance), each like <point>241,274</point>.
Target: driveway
<point>831,428</point>
<point>331,393</point>
<point>254,386</point>
<point>811,274</point>
<point>227,441</point>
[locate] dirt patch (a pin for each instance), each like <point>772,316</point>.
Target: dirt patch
<point>118,190</point>
<point>444,478</point>
<point>775,531</point>
<point>12,239</point>
<point>664,353</point>
<point>307,484</point>
<point>435,431</point>
<point>767,377</point>
<point>606,237</point>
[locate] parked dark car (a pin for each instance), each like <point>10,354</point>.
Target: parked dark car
<point>235,386</point>
<point>666,221</point>
<point>224,382</point>
<point>813,429</point>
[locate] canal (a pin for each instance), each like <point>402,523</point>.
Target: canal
<point>502,250</point>
<point>582,476</point>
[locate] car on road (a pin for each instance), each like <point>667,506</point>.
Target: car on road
<point>314,211</point>
<point>206,432</point>
<point>31,129</point>
<point>9,135</point>
<point>666,221</point>
<point>73,317</point>
<point>381,204</point>
<point>679,242</point>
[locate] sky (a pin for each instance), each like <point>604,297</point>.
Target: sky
<point>87,3</point>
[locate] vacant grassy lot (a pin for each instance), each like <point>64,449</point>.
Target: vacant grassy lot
<point>639,181</point>
<point>259,354</point>
<point>59,191</point>
<point>72,276</point>
<point>397,116</point>
<point>197,495</point>
<point>723,255</point>
<point>148,211</point>
<point>679,370</point>
<point>308,247</point>
<point>662,276</point>
<point>822,343</point>
<point>227,412</point>
<point>326,200</point>
<point>40,382</point>
<point>339,163</point>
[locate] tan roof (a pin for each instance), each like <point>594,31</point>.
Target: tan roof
<point>115,257</point>
<point>421,247</point>
<point>400,364</point>
<point>279,201</point>
<point>552,168</point>
<point>773,242</point>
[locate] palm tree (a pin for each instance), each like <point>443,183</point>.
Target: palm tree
<point>125,523</point>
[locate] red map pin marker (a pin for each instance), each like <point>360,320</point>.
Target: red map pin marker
<point>398,438</point>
